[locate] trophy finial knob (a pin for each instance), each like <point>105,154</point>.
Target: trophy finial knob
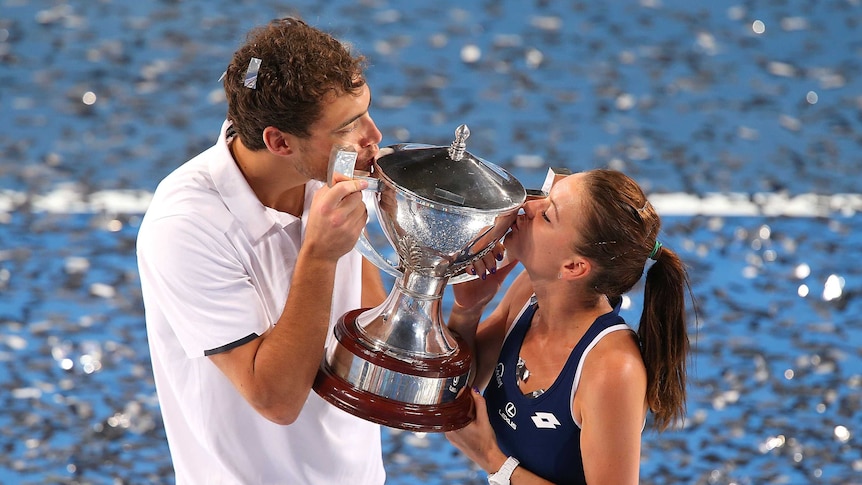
<point>456,150</point>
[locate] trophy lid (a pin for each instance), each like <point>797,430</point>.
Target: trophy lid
<point>451,175</point>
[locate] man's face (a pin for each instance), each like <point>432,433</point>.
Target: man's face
<point>344,121</point>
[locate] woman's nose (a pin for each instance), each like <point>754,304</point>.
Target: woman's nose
<point>531,208</point>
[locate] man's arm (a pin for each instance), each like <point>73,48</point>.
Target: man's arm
<point>275,372</point>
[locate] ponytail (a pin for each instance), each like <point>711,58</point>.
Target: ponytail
<point>664,339</point>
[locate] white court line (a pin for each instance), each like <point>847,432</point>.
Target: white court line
<point>69,200</point>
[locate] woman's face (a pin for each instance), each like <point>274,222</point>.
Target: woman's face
<point>542,237</point>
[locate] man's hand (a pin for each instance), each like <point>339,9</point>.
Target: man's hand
<point>336,218</point>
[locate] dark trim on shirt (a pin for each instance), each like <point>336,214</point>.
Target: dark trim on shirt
<point>232,345</point>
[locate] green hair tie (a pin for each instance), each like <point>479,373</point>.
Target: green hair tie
<point>654,254</point>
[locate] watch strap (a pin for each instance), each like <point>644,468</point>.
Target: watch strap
<point>504,474</point>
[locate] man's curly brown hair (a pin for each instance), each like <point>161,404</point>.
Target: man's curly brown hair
<point>300,66</point>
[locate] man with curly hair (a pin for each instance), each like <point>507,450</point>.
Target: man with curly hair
<point>246,259</point>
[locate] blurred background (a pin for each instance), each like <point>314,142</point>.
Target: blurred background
<point>742,120</point>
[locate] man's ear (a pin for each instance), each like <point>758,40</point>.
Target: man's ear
<point>276,141</point>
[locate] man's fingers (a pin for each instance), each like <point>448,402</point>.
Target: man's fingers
<point>343,191</point>
<point>344,186</point>
<point>339,177</point>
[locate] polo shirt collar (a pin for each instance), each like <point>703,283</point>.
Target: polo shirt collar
<point>238,196</point>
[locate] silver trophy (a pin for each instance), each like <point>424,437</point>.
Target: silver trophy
<point>440,208</point>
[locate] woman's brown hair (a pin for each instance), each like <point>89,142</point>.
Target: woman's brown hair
<point>623,228</point>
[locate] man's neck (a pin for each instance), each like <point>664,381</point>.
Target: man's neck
<point>274,187</point>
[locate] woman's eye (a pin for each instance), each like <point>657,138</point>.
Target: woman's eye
<point>545,216</point>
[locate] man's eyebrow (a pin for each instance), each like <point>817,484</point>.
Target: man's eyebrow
<point>351,120</point>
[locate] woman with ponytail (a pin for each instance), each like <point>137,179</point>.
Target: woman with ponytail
<point>567,383</point>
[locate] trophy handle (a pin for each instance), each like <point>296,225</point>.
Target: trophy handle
<point>461,278</point>
<point>363,245</point>
<point>342,159</point>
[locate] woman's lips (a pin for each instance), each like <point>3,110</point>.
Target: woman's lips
<point>515,226</point>
<point>522,214</point>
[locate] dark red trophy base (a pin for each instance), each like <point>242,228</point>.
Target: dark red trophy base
<point>385,411</point>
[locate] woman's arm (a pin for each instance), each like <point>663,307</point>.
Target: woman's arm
<point>611,434</point>
<point>479,443</point>
<point>485,340</point>
<point>373,292</point>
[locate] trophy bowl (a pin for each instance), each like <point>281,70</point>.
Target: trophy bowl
<point>397,364</point>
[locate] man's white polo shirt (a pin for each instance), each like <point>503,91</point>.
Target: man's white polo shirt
<point>215,267</point>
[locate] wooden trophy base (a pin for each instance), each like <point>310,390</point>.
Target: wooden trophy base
<point>398,395</point>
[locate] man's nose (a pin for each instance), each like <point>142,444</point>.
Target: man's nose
<point>373,136</point>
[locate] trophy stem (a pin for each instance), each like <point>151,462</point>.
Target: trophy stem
<point>410,322</point>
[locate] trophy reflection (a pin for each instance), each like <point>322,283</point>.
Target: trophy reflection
<point>440,208</point>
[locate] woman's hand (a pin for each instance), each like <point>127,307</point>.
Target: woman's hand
<point>475,294</point>
<point>487,264</point>
<point>477,440</point>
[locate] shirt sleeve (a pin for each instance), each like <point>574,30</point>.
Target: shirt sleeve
<point>194,279</point>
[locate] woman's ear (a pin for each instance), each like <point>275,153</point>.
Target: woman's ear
<point>574,269</point>
<point>276,141</point>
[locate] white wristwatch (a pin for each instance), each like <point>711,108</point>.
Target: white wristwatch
<point>504,474</point>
